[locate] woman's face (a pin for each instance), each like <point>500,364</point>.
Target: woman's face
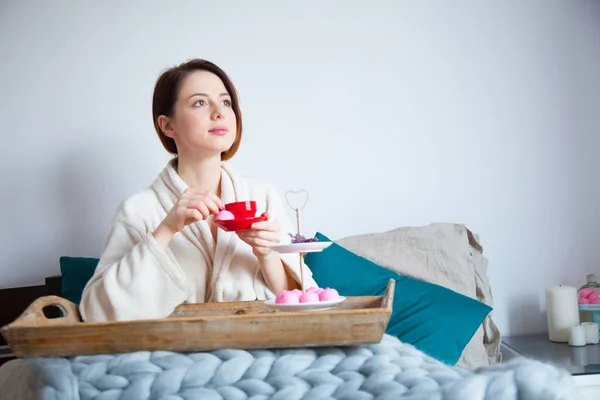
<point>203,121</point>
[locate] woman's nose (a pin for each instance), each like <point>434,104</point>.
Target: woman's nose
<point>217,113</point>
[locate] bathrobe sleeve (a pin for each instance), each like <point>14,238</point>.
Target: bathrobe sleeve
<point>291,262</point>
<point>135,279</point>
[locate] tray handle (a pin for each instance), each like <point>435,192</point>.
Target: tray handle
<point>34,314</point>
<point>388,296</point>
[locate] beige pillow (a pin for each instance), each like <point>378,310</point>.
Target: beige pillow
<point>441,253</point>
<point>492,338</point>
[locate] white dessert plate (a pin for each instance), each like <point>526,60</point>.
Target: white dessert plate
<point>315,306</point>
<point>309,247</point>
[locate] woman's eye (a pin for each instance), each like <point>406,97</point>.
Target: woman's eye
<point>199,103</point>
<point>227,103</point>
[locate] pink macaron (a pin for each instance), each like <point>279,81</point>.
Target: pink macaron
<point>316,290</point>
<point>329,294</point>
<point>583,300</point>
<point>309,297</point>
<point>224,215</point>
<point>287,297</point>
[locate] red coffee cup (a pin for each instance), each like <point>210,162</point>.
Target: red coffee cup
<point>242,209</point>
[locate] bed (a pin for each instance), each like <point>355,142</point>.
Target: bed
<point>448,256</point>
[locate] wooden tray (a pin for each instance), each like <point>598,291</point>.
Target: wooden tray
<point>196,327</point>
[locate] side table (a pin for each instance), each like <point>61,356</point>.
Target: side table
<point>582,362</point>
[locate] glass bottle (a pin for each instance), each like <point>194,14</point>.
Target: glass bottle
<point>592,282</point>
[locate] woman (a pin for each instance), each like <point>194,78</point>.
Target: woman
<point>162,248</point>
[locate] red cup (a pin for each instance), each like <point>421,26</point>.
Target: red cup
<point>242,209</point>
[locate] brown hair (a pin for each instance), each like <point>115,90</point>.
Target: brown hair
<point>167,89</point>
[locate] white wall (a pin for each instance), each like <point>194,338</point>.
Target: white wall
<point>390,113</point>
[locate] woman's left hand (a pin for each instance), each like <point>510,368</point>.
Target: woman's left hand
<point>261,236</point>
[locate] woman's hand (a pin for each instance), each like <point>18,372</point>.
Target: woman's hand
<point>261,236</point>
<point>192,206</point>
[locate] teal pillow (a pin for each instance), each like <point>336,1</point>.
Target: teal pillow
<point>76,272</point>
<point>436,320</point>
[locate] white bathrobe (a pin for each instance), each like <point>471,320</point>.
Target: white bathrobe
<point>135,279</point>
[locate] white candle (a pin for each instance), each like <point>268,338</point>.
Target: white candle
<point>591,332</point>
<point>562,311</point>
<point>577,336</point>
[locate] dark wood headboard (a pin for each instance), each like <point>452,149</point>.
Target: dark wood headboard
<point>15,300</point>
<point>54,285</point>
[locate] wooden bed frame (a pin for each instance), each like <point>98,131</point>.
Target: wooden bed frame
<point>14,301</point>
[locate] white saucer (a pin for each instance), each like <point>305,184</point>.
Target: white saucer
<point>320,306</point>
<point>309,247</point>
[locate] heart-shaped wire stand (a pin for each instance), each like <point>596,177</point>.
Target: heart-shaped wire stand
<point>298,208</point>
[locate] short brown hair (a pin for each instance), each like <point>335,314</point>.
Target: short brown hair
<point>166,92</point>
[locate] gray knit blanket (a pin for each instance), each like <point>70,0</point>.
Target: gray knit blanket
<point>385,371</point>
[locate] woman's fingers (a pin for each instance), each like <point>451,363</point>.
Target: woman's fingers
<point>262,243</point>
<point>266,226</point>
<point>204,197</point>
<point>192,206</point>
<point>218,202</point>
<point>257,242</point>
<point>205,207</point>
<point>212,206</point>
<point>193,214</point>
<point>271,237</point>
<point>209,197</point>
<point>265,235</point>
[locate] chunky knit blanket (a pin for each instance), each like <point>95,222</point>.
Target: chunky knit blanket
<point>388,370</point>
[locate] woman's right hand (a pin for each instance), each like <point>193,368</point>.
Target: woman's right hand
<point>192,206</point>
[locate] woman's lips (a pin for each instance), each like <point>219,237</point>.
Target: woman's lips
<point>220,130</point>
